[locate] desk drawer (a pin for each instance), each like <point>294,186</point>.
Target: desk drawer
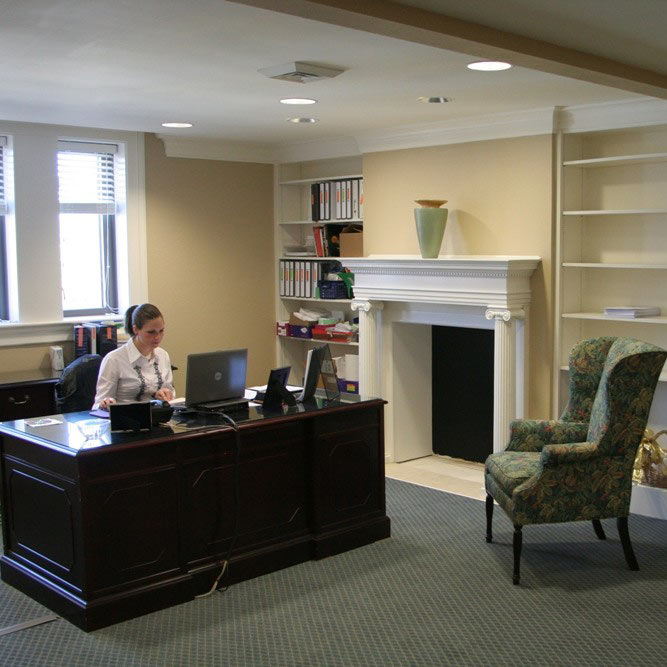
<point>27,400</point>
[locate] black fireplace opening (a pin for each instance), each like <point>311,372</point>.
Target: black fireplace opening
<point>462,392</point>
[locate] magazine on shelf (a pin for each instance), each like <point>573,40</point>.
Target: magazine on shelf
<point>632,311</point>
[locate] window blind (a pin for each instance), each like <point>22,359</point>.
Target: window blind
<point>86,179</point>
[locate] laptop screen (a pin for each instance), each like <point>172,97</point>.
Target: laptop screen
<point>215,376</point>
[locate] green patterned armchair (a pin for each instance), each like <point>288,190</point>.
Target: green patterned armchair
<point>555,471</point>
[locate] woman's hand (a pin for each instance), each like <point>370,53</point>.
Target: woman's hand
<point>164,394</point>
<point>105,403</point>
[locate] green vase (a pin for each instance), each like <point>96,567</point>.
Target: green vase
<point>430,220</point>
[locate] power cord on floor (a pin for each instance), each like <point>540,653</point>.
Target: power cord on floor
<point>225,563</point>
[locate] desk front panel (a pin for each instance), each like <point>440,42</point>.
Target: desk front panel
<point>107,533</point>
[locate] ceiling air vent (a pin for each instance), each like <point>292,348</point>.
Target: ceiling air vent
<point>301,72</point>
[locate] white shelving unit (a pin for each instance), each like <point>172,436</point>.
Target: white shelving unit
<point>611,250</point>
<point>293,228</point>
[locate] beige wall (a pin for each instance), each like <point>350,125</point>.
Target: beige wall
<point>500,203</point>
<point>210,256</point>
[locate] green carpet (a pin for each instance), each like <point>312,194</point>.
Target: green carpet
<point>433,594</point>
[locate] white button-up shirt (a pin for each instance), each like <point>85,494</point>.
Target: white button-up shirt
<point>127,376</point>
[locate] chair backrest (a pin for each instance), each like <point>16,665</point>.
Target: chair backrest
<point>587,359</point>
<point>75,390</point>
<point>623,400</point>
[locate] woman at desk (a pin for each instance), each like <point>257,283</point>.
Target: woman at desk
<point>139,370</point>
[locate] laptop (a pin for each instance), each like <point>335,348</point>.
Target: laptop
<point>216,380</point>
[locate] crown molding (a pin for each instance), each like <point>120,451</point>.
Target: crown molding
<point>457,131</point>
<point>639,112</point>
<point>211,149</point>
<point>324,149</point>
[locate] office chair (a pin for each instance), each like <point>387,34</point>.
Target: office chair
<point>75,391</point>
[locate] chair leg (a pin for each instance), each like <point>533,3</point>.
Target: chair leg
<point>489,517</point>
<point>599,531</point>
<point>517,542</point>
<point>622,523</point>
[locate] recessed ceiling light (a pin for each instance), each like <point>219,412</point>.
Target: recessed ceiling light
<point>302,120</point>
<point>435,100</point>
<point>298,100</point>
<point>489,66</point>
<point>176,124</point>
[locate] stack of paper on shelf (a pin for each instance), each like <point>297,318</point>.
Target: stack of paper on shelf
<point>632,311</point>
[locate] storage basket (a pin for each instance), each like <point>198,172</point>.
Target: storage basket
<point>333,289</point>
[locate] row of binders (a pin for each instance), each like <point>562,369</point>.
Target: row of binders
<point>337,200</point>
<point>299,278</point>
<point>94,338</point>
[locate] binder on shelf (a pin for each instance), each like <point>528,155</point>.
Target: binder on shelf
<point>320,189</point>
<point>314,202</point>
<point>361,198</point>
<point>307,278</point>
<point>337,200</point>
<point>355,198</point>
<point>327,197</point>
<point>319,240</point>
<point>94,338</point>
<point>348,199</point>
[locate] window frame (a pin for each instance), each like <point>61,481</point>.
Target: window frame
<point>32,230</point>
<point>107,224</point>
<point>4,295</point>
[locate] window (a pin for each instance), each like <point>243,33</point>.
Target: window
<point>4,305</point>
<point>88,202</point>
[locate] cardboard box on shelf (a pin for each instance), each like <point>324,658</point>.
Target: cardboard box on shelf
<point>282,328</point>
<point>352,242</point>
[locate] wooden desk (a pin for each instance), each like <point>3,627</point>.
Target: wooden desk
<point>103,532</point>
<point>26,394</point>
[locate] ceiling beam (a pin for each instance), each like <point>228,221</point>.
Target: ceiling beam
<point>420,26</point>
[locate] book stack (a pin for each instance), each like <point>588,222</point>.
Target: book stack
<point>327,240</point>
<point>337,200</point>
<point>632,312</point>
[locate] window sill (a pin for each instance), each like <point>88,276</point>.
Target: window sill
<point>13,334</point>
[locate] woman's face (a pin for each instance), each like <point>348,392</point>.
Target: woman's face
<point>150,335</point>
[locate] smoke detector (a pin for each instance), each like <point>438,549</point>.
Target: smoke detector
<point>301,72</point>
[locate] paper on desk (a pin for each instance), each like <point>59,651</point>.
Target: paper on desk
<point>42,421</point>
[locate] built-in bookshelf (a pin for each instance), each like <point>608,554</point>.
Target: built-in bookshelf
<point>611,249</point>
<point>315,202</point>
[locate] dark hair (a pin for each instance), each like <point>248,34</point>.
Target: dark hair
<point>139,315</point>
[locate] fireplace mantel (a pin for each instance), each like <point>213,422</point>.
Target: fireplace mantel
<point>479,291</point>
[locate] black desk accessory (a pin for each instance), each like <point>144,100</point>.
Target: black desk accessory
<point>276,390</point>
<point>130,417</point>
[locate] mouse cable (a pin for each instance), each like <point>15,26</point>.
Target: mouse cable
<point>237,495</point>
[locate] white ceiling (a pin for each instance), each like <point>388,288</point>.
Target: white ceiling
<point>132,64</point>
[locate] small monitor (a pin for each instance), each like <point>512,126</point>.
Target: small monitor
<point>216,378</point>
<point>319,364</point>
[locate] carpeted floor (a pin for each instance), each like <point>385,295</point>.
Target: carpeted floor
<point>433,594</point>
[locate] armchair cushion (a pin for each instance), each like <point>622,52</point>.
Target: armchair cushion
<point>531,435</point>
<point>511,469</point>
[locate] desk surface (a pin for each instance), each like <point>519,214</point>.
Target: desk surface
<point>65,435</point>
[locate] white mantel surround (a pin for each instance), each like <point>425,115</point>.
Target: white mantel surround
<point>394,294</point>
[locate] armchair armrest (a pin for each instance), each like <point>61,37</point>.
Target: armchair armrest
<point>555,455</point>
<point>531,435</point>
